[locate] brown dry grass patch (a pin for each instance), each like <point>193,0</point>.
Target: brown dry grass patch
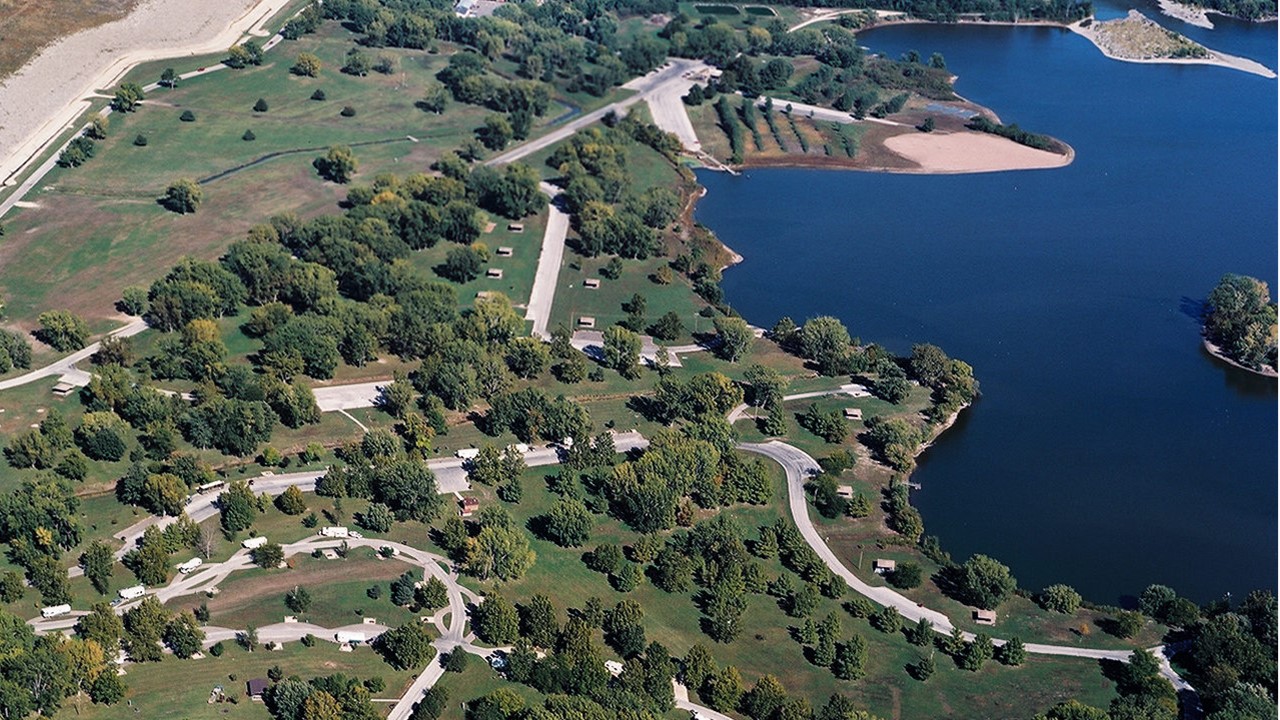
<point>27,26</point>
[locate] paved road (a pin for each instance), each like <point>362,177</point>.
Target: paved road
<point>67,364</point>
<point>673,72</point>
<point>544,281</point>
<point>668,111</point>
<point>825,15</point>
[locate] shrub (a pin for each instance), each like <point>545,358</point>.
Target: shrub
<point>318,95</point>
<point>187,116</point>
<point>348,111</point>
<point>906,576</point>
<point>248,136</point>
<point>260,106</point>
<point>140,140</point>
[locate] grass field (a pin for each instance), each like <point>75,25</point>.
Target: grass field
<point>256,597</point>
<point>175,689</point>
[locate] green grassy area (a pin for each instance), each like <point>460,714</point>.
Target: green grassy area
<point>175,689</point>
<point>337,587</point>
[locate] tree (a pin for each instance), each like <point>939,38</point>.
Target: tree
<point>432,594</point>
<point>496,132</point>
<point>1012,652</point>
<point>538,622</point>
<point>168,77</point>
<point>407,646</point>
<point>183,635</point>
<point>307,65</point>
<point>244,55</point>
<point>127,98</point>
<point>826,341</point>
<point>1241,320</point>
<point>724,690</point>
<point>977,653</point>
<point>1126,623</point>
<point>985,582</point>
<point>97,561</point>
<point>624,629</point>
<point>850,659</point>
<point>291,501</point>
<point>763,700</point>
<point>337,165</point>
<point>499,552</point>
<point>298,599</point>
<point>183,196</point>
<point>377,518</point>
<point>150,560</point>
<point>237,507</point>
<point>1060,599</point>
<point>887,620</point>
<point>62,330</point>
<point>269,555</point>
<point>461,265</point>
<point>261,105</point>
<point>568,523</point>
<point>495,620</point>
<point>621,349</point>
<point>735,337</point>
<point>905,576</point>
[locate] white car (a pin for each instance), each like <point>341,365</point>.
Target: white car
<point>498,660</point>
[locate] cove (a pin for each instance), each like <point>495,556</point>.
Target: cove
<point>1108,451</point>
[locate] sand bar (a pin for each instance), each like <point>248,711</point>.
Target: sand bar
<point>1188,14</point>
<point>971,152</point>
<point>46,95</point>
<point>1219,59</point>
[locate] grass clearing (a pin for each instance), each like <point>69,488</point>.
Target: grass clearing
<point>175,689</point>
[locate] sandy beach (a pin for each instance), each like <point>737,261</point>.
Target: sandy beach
<point>47,94</point>
<point>1186,13</point>
<point>968,152</point>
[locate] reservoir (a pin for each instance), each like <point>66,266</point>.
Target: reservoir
<point>1108,450</point>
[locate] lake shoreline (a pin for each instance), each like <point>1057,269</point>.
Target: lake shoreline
<point>1219,354</point>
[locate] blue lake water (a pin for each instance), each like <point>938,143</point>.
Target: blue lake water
<point>1108,450</point>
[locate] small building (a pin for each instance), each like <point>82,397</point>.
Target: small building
<point>591,283</point>
<point>515,227</point>
<point>586,321</point>
<point>63,389</point>
<point>614,667</point>
<point>845,491</point>
<point>495,273</point>
<point>467,506</point>
<point>505,251</point>
<point>256,688</point>
<point>882,566</point>
<point>984,617</point>
<point>853,413</point>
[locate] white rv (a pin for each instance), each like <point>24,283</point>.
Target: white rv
<point>254,543</point>
<point>335,532</point>
<point>131,593</point>
<point>349,638</point>
<point>55,611</point>
<point>468,453</point>
<point>190,565</point>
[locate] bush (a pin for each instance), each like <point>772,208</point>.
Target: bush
<point>348,111</point>
<point>318,95</point>
<point>260,106</point>
<point>187,116</point>
<point>456,662</point>
<point>217,649</point>
<point>248,136</point>
<point>140,140</point>
<point>1059,599</point>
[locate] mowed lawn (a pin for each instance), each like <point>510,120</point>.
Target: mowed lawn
<point>98,229</point>
<point>175,689</point>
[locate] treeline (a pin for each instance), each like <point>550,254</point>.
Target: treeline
<point>950,10</point>
<point>1240,319</point>
<point>1012,132</point>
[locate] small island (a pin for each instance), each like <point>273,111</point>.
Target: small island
<point>1240,324</point>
